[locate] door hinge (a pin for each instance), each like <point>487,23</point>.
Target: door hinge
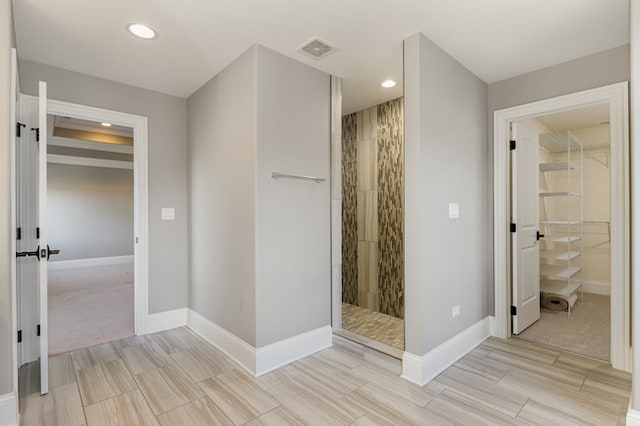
<point>19,233</point>
<point>38,330</point>
<point>19,127</point>
<point>37,130</point>
<point>19,336</point>
<point>514,310</point>
<point>38,233</point>
<point>512,145</point>
<point>512,227</point>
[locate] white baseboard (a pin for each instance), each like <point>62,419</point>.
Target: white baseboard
<point>236,348</point>
<point>167,320</point>
<point>596,287</point>
<point>271,357</point>
<point>262,360</point>
<point>633,417</point>
<point>9,410</point>
<point>422,369</point>
<point>84,263</point>
<point>493,325</point>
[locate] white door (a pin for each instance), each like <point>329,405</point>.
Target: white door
<point>43,246</point>
<point>524,242</point>
<point>32,249</point>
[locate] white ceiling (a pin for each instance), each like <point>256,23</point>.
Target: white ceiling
<point>91,126</point>
<point>579,118</point>
<point>496,39</point>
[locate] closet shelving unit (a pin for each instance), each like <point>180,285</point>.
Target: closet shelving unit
<point>562,221</point>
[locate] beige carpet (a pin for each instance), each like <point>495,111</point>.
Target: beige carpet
<point>88,306</point>
<point>374,325</point>
<point>587,332</point>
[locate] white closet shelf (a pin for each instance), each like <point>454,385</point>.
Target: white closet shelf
<point>559,254</point>
<point>560,194</point>
<point>560,287</point>
<point>554,272</point>
<point>560,222</point>
<point>556,166</point>
<point>563,238</point>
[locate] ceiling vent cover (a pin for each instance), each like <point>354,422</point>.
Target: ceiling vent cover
<point>316,48</point>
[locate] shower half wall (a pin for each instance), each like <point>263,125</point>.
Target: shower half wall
<point>372,208</point>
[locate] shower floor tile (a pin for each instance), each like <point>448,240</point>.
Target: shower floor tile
<point>374,325</point>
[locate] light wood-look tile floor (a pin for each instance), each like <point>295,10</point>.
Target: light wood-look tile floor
<point>175,378</point>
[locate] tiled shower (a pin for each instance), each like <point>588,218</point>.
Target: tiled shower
<point>372,209</point>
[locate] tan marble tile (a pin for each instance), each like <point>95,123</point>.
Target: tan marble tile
<point>202,361</point>
<point>462,410</point>
<point>93,355</point>
<point>144,357</point>
<point>368,275</point>
<point>177,339</point>
<point>383,407</point>
<point>366,165</point>
<point>238,396</point>
<point>167,387</point>
<point>367,123</point>
<point>103,381</point>
<point>277,417</point>
<point>201,412</point>
<point>128,409</point>
<point>367,207</point>
<point>60,407</point>
<point>314,403</point>
<point>61,371</point>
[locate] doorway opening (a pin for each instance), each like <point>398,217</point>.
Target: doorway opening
<point>368,212</point>
<point>576,251</point>
<point>90,219</point>
<point>570,199</point>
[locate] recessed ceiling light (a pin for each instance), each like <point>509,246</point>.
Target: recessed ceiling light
<point>105,124</point>
<point>388,84</point>
<point>142,31</point>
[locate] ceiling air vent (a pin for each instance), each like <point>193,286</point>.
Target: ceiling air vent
<point>316,48</point>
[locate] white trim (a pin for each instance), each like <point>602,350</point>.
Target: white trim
<point>15,88</point>
<point>236,348</point>
<point>88,162</point>
<point>492,325</point>
<point>267,358</point>
<point>422,369</point>
<point>91,262</point>
<point>633,417</point>
<point>616,96</point>
<point>596,287</point>
<point>94,146</point>
<point>141,197</point>
<point>167,320</point>
<point>9,410</point>
<point>276,355</point>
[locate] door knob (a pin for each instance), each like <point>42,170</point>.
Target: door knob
<point>50,252</point>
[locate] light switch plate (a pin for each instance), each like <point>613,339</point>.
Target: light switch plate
<point>454,210</point>
<point>168,213</point>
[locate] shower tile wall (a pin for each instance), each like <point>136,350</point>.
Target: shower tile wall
<point>391,208</point>
<point>372,179</point>
<point>349,214</point>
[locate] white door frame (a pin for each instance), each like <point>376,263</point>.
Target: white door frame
<point>616,96</point>
<point>141,194</point>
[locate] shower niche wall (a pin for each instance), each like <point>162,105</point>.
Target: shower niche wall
<point>372,223</point>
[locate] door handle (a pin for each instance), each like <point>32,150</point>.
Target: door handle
<point>50,252</point>
<point>539,235</point>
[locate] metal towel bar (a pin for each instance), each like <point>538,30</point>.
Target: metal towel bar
<point>276,175</point>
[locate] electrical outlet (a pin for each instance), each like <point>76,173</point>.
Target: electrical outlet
<point>455,311</point>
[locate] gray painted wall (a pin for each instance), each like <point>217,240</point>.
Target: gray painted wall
<point>167,166</point>
<point>222,198</point>
<point>600,69</point>
<point>260,248</point>
<point>7,41</point>
<point>446,133</point>
<point>90,211</point>
<point>293,235</point>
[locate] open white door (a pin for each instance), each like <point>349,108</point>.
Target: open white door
<point>44,247</point>
<point>525,257</point>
